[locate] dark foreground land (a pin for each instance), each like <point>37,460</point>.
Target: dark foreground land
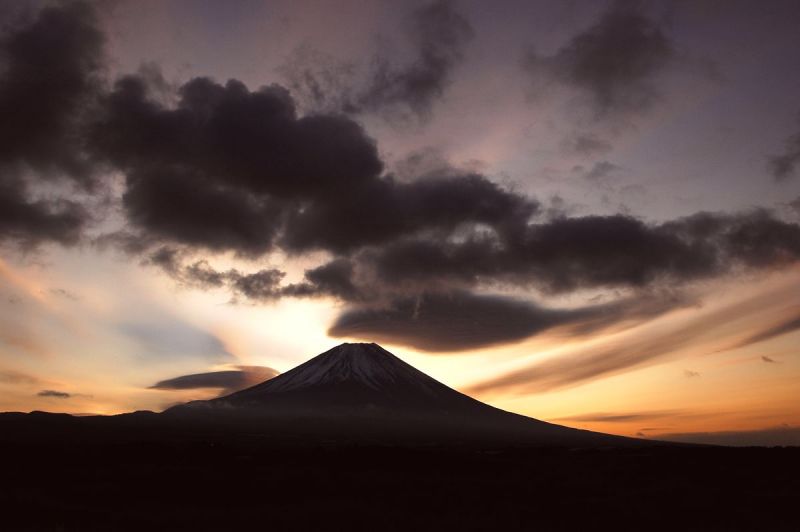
<point>210,482</point>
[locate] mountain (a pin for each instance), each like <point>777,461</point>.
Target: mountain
<point>360,389</point>
<point>352,377</point>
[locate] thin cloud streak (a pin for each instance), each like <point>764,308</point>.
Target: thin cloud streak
<point>605,417</point>
<point>786,326</point>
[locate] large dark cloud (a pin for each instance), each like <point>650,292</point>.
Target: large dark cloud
<point>455,321</point>
<point>50,77</point>
<point>228,380</point>
<point>254,138</point>
<point>597,251</point>
<point>614,63</point>
<point>249,174</point>
<point>394,280</point>
<point>449,322</point>
<point>236,161</point>
<point>437,37</point>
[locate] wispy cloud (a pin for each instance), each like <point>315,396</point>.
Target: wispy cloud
<point>784,326</point>
<point>622,417</point>
<point>55,394</point>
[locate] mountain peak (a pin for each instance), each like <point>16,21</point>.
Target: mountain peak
<point>351,377</point>
<point>366,366</point>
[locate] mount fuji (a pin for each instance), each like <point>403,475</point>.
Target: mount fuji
<point>362,390</point>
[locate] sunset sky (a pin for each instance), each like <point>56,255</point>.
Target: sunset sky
<point>586,212</point>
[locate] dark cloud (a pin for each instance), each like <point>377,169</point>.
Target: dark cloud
<point>448,322</point>
<point>795,204</point>
<point>595,251</point>
<point>689,374</point>
<point>240,222</point>
<point>50,76</point>
<point>453,255</point>
<point>260,286</point>
<point>768,360</point>
<point>785,165</point>
<point>202,275</point>
<point>228,381</point>
<point>784,435</point>
<point>438,204</point>
<point>457,321</point>
<point>320,82</point>
<point>30,221</point>
<point>270,178</point>
<point>335,278</point>
<point>437,37</point>
<point>615,62</point>
<point>246,157</point>
<point>54,393</point>
<point>330,279</point>
<point>439,34</point>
